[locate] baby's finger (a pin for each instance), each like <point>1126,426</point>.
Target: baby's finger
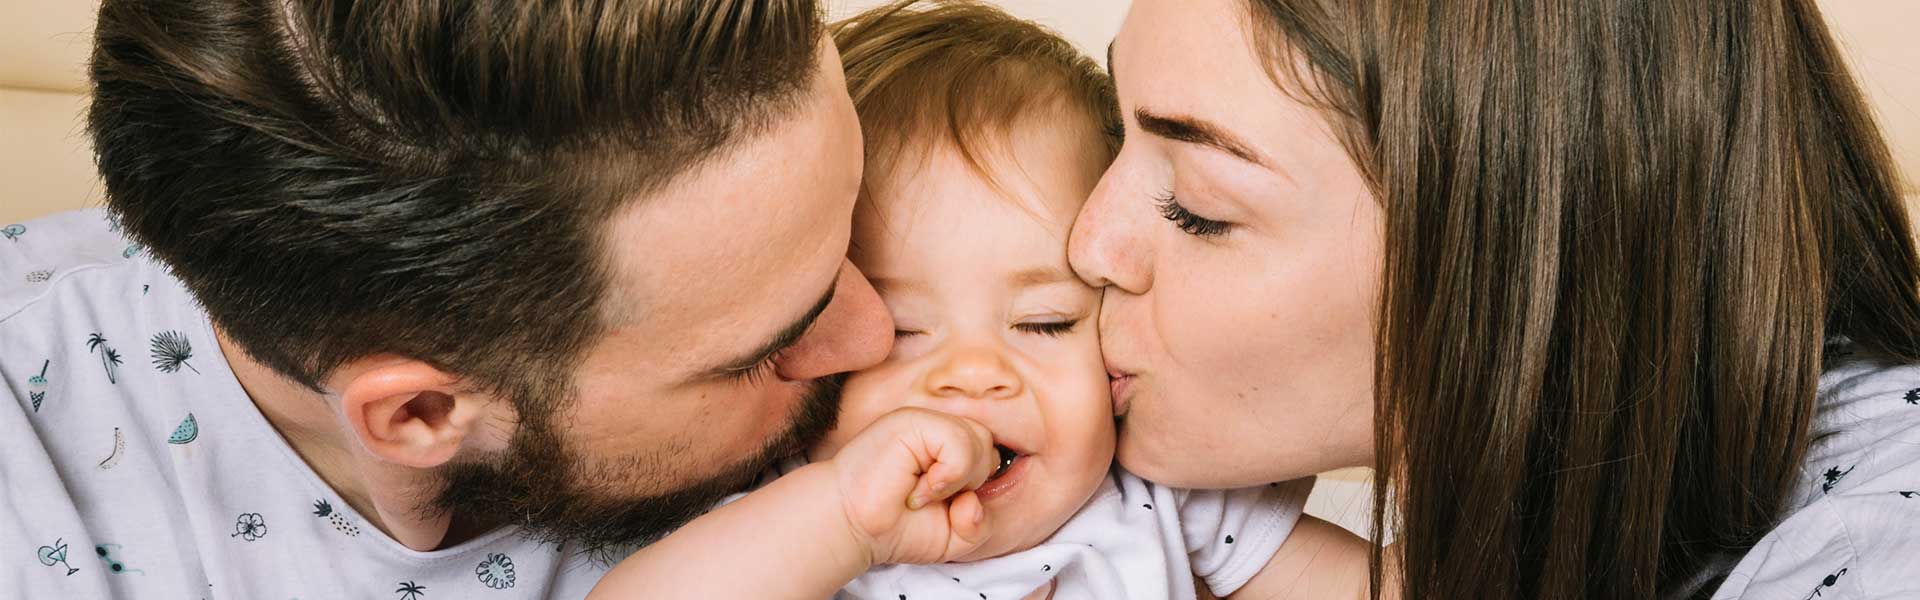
<point>982,458</point>
<point>967,519</point>
<point>963,458</point>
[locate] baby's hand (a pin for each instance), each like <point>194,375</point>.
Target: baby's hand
<point>906,485</point>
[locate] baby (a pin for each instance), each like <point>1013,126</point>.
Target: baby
<point>976,461</point>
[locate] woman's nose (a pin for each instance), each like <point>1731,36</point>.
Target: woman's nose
<point>1110,245</point>
<point>977,371</point>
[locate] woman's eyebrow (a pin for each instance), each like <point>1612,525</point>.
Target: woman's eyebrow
<point>1195,131</point>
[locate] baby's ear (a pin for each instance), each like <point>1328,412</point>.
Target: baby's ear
<point>408,412</point>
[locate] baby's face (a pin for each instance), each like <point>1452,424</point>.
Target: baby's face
<point>991,323</point>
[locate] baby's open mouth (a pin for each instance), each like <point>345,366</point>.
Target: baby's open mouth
<point>1007,456</point>
<point>1007,474</point>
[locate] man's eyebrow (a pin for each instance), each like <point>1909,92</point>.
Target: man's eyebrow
<point>781,341</point>
<point>1038,276</point>
<point>1195,131</point>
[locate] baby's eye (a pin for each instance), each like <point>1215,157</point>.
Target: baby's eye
<point>1050,329</point>
<point>902,333</point>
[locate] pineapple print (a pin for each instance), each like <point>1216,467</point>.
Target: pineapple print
<point>340,524</point>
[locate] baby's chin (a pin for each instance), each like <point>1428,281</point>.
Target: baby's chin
<point>1030,512</point>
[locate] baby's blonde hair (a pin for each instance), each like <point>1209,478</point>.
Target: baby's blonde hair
<point>923,72</point>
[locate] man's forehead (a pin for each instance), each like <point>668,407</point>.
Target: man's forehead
<point>750,239</point>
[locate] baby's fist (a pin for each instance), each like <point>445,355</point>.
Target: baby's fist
<point>906,485</point>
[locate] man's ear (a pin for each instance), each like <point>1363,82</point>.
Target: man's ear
<point>407,412</point>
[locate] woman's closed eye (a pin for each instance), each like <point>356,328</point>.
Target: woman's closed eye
<point>1192,224</point>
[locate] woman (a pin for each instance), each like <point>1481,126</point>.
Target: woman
<point>1570,273</point>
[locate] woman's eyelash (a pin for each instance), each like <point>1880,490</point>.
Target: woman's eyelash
<point>1055,329</point>
<point>1194,225</point>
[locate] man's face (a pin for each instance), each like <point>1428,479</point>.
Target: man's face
<point>733,309</point>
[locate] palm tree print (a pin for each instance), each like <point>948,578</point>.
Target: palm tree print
<point>411,591</point>
<point>13,232</point>
<point>1913,396</point>
<point>109,359</point>
<point>171,350</point>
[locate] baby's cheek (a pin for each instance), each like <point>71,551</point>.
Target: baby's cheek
<point>1082,409</point>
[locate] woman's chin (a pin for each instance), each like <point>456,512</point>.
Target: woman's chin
<point>1198,464</point>
<point>1137,452</point>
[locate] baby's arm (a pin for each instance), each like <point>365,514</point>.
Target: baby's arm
<point>1318,560</point>
<point>900,492</point>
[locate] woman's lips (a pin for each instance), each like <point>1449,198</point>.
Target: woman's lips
<point>1120,385</point>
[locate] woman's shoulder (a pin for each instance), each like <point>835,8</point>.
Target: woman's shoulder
<point>1854,530</point>
<point>1866,432</point>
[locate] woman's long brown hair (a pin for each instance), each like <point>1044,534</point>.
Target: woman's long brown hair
<point>1619,237</point>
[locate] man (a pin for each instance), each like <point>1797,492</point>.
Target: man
<point>425,299</point>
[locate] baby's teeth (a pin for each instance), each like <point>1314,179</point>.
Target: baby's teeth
<point>1006,460</point>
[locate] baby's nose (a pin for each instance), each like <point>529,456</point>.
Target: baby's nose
<point>974,372</point>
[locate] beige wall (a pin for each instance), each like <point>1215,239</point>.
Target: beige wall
<point>43,45</point>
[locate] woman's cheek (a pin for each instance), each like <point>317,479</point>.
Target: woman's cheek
<point>1214,319</point>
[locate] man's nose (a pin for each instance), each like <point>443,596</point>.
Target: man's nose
<point>976,370</point>
<point>855,332</point>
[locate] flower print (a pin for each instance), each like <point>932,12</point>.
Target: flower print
<point>1833,477</point>
<point>250,527</point>
<point>496,571</point>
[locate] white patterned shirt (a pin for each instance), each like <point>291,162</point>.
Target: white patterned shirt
<point>132,464</point>
<point>1854,531</point>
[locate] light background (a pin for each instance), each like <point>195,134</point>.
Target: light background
<point>45,165</point>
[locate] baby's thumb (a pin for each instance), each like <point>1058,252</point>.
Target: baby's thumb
<point>967,519</point>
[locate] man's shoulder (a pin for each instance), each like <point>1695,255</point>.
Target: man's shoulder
<point>37,257</point>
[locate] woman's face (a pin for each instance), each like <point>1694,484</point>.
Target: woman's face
<point>1242,254</point>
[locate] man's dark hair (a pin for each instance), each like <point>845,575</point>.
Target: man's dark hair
<point>334,179</point>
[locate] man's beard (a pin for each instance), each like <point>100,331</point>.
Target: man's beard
<point>548,491</point>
